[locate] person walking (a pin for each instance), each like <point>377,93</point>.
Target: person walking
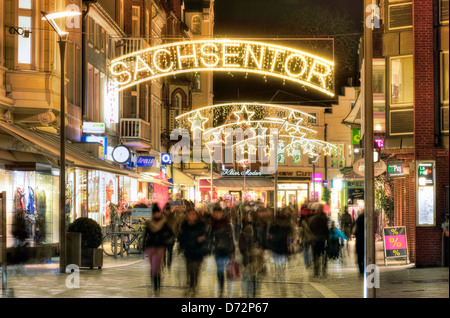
<point>346,224</point>
<point>359,240</point>
<point>252,258</point>
<point>306,235</point>
<point>192,237</point>
<point>170,217</point>
<point>221,235</point>
<point>157,236</point>
<point>280,232</point>
<point>318,224</point>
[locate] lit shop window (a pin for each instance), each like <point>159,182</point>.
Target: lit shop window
<point>401,81</point>
<point>24,40</point>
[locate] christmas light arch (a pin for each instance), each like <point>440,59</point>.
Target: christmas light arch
<point>218,125</point>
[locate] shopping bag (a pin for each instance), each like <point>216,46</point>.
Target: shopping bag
<point>233,270</point>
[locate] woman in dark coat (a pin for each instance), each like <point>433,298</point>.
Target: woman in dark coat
<point>223,243</point>
<point>158,235</point>
<point>280,231</point>
<point>191,238</point>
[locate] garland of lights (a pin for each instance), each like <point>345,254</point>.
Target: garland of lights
<point>227,121</point>
<point>226,56</point>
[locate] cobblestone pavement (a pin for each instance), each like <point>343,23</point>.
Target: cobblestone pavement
<point>128,277</point>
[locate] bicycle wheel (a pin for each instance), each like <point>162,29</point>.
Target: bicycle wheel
<point>109,245</point>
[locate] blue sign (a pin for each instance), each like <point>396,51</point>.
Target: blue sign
<point>145,161</point>
<point>166,159</point>
<point>97,139</point>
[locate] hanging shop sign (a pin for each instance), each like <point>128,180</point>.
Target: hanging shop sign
<point>225,56</point>
<point>396,169</point>
<point>112,103</point>
<point>166,159</point>
<point>145,161</point>
<point>395,244</point>
<point>98,139</point>
<point>426,193</point>
<point>378,167</point>
<point>356,136</point>
<point>93,128</point>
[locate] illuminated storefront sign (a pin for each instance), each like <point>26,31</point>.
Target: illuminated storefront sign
<point>93,128</point>
<point>112,103</point>
<point>226,56</point>
<point>166,159</point>
<point>396,169</point>
<point>426,194</point>
<point>145,161</point>
<point>98,139</point>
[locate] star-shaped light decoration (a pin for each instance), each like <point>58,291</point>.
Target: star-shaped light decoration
<point>197,122</point>
<point>246,115</point>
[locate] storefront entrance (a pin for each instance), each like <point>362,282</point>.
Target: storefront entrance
<point>292,194</point>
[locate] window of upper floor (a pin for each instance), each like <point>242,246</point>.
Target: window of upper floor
<point>196,24</point>
<point>399,15</point>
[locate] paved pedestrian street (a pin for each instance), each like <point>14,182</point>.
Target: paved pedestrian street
<point>128,277</point>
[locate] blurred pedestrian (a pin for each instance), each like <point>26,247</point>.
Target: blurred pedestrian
<point>236,219</point>
<point>336,240</point>
<point>222,239</point>
<point>346,224</point>
<point>252,258</point>
<point>280,232</point>
<point>359,232</point>
<point>306,235</point>
<point>170,217</point>
<point>158,235</point>
<point>192,237</point>
<point>318,224</point>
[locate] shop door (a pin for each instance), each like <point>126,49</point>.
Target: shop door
<point>291,198</point>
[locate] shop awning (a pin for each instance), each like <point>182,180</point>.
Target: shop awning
<point>353,118</point>
<point>180,178</point>
<point>49,145</point>
<point>238,183</point>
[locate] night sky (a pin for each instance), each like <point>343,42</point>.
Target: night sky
<point>259,19</point>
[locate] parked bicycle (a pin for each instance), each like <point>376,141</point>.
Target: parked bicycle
<point>117,243</point>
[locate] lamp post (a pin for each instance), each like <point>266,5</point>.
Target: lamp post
<point>62,132</point>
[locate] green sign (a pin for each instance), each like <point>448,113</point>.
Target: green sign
<point>356,136</point>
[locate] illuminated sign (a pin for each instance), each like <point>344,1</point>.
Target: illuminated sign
<point>98,139</point>
<point>145,161</point>
<point>426,194</point>
<point>225,56</point>
<point>93,128</point>
<point>395,169</point>
<point>166,159</point>
<point>112,103</point>
<point>378,143</point>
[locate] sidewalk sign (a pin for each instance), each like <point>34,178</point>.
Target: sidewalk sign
<point>395,243</point>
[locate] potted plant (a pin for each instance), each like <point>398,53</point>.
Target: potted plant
<point>91,238</point>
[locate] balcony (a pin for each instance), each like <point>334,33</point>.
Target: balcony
<point>135,133</point>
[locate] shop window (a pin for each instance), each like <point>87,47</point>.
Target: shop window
<point>281,155</point>
<point>296,156</point>
<point>312,120</point>
<point>196,25</point>
<point>401,81</point>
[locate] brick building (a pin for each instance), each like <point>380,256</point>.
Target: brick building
<point>415,48</point>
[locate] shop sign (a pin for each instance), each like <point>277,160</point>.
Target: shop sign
<point>93,128</point>
<point>356,136</point>
<point>98,139</point>
<point>145,161</point>
<point>426,194</point>
<point>232,172</point>
<point>378,167</point>
<point>395,244</point>
<point>395,169</point>
<point>317,177</point>
<point>296,174</point>
<point>166,159</point>
<point>112,103</point>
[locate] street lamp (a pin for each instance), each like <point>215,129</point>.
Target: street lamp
<point>62,131</point>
